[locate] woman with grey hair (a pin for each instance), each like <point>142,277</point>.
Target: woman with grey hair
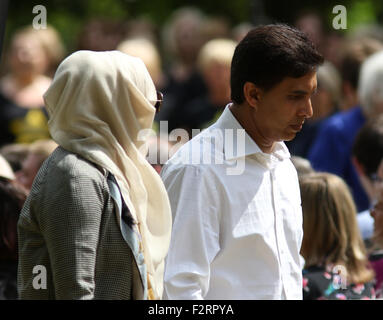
<point>370,88</point>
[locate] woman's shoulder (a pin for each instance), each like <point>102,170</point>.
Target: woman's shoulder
<point>63,167</point>
<point>73,163</point>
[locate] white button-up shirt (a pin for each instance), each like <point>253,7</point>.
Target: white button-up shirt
<point>237,216</point>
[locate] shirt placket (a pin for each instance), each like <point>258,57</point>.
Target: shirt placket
<point>279,232</point>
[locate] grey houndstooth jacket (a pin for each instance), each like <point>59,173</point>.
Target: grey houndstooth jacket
<point>69,226</point>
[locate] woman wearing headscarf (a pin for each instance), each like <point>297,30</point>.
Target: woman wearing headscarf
<point>97,222</point>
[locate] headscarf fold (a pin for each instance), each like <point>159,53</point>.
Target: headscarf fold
<point>101,107</point>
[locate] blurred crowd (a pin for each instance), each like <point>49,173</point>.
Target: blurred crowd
<point>337,154</point>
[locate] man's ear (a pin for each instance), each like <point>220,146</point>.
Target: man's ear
<point>252,94</point>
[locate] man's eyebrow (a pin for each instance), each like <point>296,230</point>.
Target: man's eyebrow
<point>303,92</point>
<point>299,92</point>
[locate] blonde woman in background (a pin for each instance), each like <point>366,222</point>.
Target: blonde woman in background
<point>336,263</point>
<point>214,63</point>
<point>145,50</point>
<point>32,58</point>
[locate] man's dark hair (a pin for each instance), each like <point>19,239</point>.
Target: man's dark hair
<point>368,145</point>
<point>270,53</point>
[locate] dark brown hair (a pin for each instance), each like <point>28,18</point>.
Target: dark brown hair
<point>270,53</point>
<point>368,145</point>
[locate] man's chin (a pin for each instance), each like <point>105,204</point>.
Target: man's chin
<point>289,137</point>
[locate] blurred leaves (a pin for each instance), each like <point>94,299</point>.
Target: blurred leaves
<point>361,12</point>
<point>68,16</point>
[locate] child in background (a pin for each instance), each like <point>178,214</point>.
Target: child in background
<point>336,263</point>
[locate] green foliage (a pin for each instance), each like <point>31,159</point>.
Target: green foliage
<point>361,12</point>
<point>68,16</point>
<point>106,9</point>
<point>68,26</point>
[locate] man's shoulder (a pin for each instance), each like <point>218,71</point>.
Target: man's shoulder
<point>186,163</point>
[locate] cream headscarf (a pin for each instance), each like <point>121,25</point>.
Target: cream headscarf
<point>99,102</point>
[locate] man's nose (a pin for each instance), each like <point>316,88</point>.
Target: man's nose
<point>306,109</point>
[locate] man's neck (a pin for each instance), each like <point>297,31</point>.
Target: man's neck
<point>243,115</point>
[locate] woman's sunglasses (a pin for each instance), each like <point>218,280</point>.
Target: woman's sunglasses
<point>160,98</point>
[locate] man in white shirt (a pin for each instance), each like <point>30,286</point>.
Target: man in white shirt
<point>233,190</point>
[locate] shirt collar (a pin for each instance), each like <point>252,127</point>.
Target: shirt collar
<point>240,144</point>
